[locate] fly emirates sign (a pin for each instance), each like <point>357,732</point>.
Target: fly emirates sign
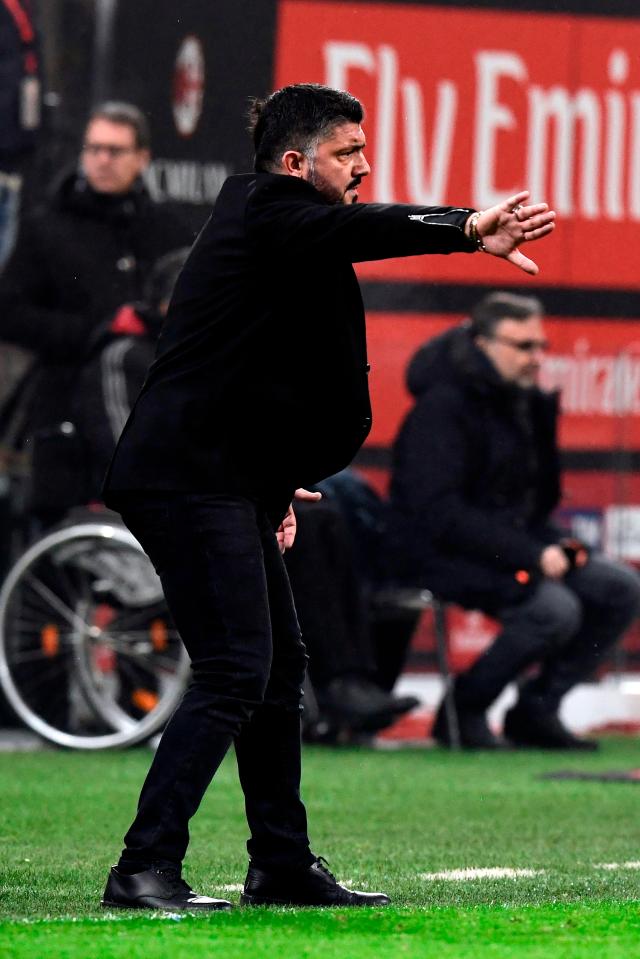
<point>467,107</point>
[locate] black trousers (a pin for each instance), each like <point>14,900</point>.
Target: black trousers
<point>227,590</point>
<point>568,626</point>
<point>329,595</point>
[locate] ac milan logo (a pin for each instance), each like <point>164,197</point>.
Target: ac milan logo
<point>188,86</point>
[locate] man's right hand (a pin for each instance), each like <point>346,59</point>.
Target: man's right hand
<point>503,228</point>
<point>554,562</point>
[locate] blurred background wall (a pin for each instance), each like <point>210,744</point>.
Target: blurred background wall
<point>466,103</point>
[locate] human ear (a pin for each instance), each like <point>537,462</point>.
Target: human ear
<point>294,163</point>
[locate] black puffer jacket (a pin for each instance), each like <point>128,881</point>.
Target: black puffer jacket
<point>475,475</point>
<point>76,261</point>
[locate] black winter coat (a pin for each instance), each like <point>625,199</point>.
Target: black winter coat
<point>260,382</point>
<point>75,263</point>
<point>475,476</point>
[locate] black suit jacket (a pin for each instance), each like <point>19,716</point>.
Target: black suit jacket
<point>260,380</point>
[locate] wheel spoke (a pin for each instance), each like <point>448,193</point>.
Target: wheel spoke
<point>61,608</point>
<point>31,656</point>
<point>126,618</point>
<point>25,627</point>
<point>36,682</point>
<point>75,675</point>
<point>144,659</point>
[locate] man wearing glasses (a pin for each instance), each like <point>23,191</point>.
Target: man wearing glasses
<point>476,479</point>
<point>76,262</point>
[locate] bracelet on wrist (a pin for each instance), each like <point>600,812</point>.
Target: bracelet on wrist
<point>473,231</point>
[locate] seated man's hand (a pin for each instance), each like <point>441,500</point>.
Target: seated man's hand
<point>286,532</point>
<point>554,562</point>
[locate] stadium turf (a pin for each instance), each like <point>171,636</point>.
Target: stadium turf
<point>390,820</point>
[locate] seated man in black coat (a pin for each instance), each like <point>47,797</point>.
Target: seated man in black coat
<point>78,258</point>
<point>476,478</point>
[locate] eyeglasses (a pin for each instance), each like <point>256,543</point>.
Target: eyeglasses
<point>524,346</point>
<point>93,149</point>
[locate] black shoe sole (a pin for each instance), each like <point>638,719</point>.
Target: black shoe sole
<point>444,742</point>
<point>106,904</point>
<point>192,907</point>
<point>371,723</point>
<point>556,747</point>
<point>475,748</point>
<point>246,900</point>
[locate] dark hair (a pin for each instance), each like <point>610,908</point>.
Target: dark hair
<point>127,114</point>
<point>297,118</point>
<point>495,307</point>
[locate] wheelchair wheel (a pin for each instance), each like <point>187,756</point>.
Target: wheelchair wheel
<point>89,657</point>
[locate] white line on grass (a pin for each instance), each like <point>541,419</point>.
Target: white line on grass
<point>494,872</point>
<point>455,875</point>
<point>632,864</point>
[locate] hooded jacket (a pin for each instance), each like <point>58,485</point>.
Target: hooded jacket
<point>475,475</point>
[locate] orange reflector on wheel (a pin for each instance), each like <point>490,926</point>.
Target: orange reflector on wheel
<point>144,699</point>
<point>50,640</point>
<point>159,635</point>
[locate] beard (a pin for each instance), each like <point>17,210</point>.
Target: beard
<point>330,192</point>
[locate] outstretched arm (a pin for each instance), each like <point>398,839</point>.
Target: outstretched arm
<point>501,229</point>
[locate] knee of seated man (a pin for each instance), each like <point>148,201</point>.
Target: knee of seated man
<point>556,612</point>
<point>617,585</point>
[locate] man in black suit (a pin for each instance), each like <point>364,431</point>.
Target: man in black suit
<point>259,389</point>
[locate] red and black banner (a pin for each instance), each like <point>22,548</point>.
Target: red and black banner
<point>468,106</point>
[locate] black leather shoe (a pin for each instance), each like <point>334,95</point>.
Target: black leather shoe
<point>360,704</point>
<point>160,887</point>
<point>536,729</point>
<point>473,729</point>
<point>313,886</point>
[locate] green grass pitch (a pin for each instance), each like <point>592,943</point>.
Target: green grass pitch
<point>383,819</point>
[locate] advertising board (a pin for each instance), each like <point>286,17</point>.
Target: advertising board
<point>468,106</point>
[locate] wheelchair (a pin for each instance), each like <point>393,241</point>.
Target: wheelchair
<point>89,657</point>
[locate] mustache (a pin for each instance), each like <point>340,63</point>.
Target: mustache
<point>355,182</point>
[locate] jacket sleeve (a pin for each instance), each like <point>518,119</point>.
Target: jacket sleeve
<point>434,489</point>
<point>123,366</point>
<point>26,317</point>
<point>286,220</point>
